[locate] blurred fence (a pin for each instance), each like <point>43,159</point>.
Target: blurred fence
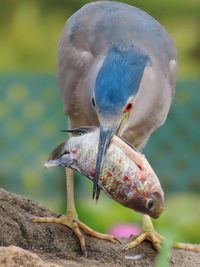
<point>30,119</point>
<point>174,149</point>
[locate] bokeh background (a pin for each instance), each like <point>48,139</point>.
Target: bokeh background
<point>31,115</point>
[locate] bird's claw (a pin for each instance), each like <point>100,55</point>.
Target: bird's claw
<point>84,250</point>
<point>155,238</point>
<point>77,227</point>
<point>115,240</point>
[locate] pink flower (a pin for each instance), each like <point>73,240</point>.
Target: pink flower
<point>124,230</point>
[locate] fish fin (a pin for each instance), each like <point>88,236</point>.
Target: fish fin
<point>58,152</point>
<point>134,148</point>
<point>81,130</point>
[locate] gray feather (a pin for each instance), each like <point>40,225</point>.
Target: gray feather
<point>85,40</point>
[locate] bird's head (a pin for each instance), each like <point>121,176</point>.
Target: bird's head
<point>116,86</point>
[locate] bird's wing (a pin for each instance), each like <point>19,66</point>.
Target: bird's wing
<point>72,61</point>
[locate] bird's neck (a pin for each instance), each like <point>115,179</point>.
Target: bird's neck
<point>119,77</point>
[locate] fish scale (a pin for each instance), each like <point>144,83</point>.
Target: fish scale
<point>125,176</point>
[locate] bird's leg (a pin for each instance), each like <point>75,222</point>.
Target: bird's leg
<point>71,210</point>
<point>148,233</point>
<point>71,218</point>
<point>186,246</point>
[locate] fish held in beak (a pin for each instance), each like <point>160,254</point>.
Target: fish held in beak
<point>125,174</point>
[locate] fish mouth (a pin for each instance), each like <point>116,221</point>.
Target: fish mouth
<point>158,198</point>
<point>141,204</point>
<point>157,208</point>
<point>157,213</point>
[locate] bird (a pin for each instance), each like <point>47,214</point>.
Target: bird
<point>116,69</point>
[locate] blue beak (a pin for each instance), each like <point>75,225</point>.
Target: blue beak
<point>104,139</point>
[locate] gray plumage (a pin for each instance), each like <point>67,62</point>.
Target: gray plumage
<point>87,36</point>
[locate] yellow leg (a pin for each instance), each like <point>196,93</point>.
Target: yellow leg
<point>93,233</point>
<point>185,246</point>
<point>150,234</point>
<point>71,218</point>
<point>71,210</point>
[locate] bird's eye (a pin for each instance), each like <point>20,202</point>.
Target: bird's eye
<point>93,102</point>
<point>128,107</point>
<point>149,203</point>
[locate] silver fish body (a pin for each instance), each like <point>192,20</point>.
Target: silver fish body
<point>126,175</point>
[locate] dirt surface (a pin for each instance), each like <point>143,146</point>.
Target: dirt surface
<point>14,256</point>
<point>52,244</point>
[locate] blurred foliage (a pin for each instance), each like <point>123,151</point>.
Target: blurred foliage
<point>162,259</point>
<point>30,30</point>
<point>30,119</point>
<point>173,150</point>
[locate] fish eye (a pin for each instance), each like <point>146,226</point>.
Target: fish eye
<point>93,102</point>
<point>149,203</point>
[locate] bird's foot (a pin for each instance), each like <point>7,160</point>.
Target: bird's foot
<point>186,246</point>
<point>148,233</point>
<point>72,221</point>
<point>154,237</point>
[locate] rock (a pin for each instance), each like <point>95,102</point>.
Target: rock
<point>56,245</point>
<point>14,257</point>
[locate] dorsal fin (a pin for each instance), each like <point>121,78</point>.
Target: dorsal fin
<point>58,152</point>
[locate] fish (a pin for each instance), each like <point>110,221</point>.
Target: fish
<point>126,176</point>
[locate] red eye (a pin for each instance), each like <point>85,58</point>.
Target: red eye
<point>128,107</point>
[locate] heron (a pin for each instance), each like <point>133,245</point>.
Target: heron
<point>116,69</point>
